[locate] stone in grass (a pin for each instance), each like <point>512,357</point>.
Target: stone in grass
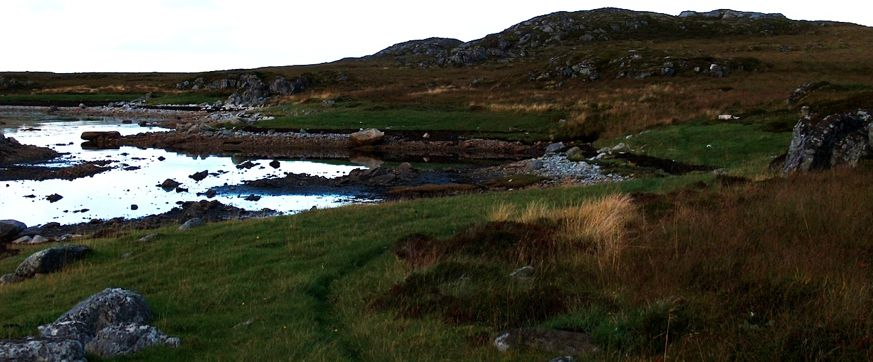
<point>51,260</point>
<point>191,223</point>
<point>571,343</point>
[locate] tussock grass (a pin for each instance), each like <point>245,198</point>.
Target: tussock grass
<point>601,223</point>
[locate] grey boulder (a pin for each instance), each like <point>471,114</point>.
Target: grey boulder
<point>9,229</point>
<point>192,223</point>
<point>51,260</point>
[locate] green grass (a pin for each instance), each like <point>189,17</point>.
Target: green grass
<point>739,147</point>
<point>66,99</point>
<point>304,281</point>
<point>186,98</point>
<point>354,115</point>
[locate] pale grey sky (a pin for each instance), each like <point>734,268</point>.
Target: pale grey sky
<point>199,35</point>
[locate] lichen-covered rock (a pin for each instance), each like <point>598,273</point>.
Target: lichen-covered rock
<point>121,339</point>
<point>821,143</point>
<point>51,260</point>
<point>111,306</point>
<point>109,324</point>
<point>32,349</point>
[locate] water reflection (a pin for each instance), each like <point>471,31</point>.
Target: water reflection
<point>135,175</point>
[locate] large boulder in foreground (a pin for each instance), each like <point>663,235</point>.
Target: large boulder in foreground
<point>820,143</point>
<point>108,324</point>
<point>367,137</point>
<point>9,230</point>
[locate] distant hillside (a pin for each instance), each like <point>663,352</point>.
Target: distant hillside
<point>585,28</point>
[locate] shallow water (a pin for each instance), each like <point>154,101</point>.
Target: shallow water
<point>110,194</point>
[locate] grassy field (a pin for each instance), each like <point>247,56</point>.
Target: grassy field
<point>693,267</point>
<point>748,271</point>
<point>66,100</point>
<point>744,149</point>
<point>353,115</point>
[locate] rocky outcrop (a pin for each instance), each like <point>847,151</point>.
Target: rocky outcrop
<point>248,89</point>
<point>823,142</point>
<point>726,14</point>
<point>252,92</point>
<point>422,53</point>
<point>583,28</point>
<point>46,261</point>
<point>109,324</point>
<point>12,152</point>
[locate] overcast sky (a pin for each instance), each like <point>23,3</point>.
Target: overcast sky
<point>199,35</point>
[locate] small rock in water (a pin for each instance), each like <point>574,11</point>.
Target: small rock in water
<point>53,198</point>
<point>161,158</point>
<point>246,165</point>
<point>134,207</point>
<point>275,164</point>
<point>169,184</point>
<point>252,197</point>
<point>209,193</point>
<point>199,176</point>
<point>180,190</point>
<point>29,196</point>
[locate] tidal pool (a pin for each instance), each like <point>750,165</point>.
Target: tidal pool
<point>135,174</point>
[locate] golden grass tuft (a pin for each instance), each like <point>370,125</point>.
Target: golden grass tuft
<point>600,223</point>
<point>502,212</point>
<point>603,223</point>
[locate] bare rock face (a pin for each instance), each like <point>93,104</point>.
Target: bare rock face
<point>822,143</point>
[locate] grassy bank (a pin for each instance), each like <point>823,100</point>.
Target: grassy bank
<point>749,271</point>
<point>352,115</point>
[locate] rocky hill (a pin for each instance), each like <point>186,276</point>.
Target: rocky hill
<point>587,28</point>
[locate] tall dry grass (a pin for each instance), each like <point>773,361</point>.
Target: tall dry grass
<point>600,224</point>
